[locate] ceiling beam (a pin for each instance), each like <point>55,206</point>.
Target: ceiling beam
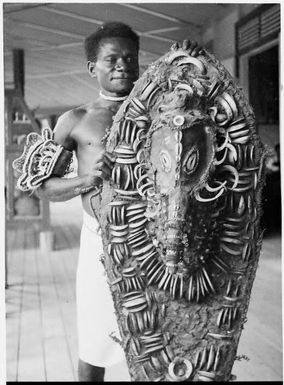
<point>49,47</point>
<point>47,29</point>
<point>100,22</point>
<point>70,45</point>
<point>77,36</point>
<point>73,15</point>
<point>56,74</point>
<point>162,30</point>
<point>14,8</point>
<point>160,38</point>
<point>159,14</point>
<point>149,34</point>
<point>48,8</point>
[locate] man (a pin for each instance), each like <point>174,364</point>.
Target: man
<point>112,54</point>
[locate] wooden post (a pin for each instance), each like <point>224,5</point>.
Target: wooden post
<point>19,70</point>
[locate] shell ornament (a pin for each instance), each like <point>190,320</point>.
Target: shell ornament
<point>180,219</point>
<point>41,158</point>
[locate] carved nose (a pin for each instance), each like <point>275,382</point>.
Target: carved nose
<point>175,227</point>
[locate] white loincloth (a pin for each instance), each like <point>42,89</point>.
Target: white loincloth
<point>96,318</point>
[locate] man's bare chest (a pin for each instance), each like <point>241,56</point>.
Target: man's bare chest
<point>92,129</point>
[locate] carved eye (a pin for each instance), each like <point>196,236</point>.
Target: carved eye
<point>165,161</point>
<point>190,161</point>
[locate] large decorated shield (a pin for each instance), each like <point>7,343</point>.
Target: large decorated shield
<point>180,219</point>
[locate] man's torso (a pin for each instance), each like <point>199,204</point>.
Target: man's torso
<point>92,122</point>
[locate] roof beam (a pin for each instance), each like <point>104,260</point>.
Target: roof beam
<point>56,74</point>
<point>69,45</point>
<point>47,29</point>
<point>160,38</point>
<point>162,30</point>
<point>100,22</point>
<point>73,15</point>
<point>77,36</point>
<point>159,14</point>
<point>149,34</point>
<point>14,8</point>
<point>49,47</point>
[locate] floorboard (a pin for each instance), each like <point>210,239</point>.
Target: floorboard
<point>41,339</point>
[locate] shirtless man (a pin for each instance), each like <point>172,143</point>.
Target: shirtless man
<point>114,62</point>
<point>112,54</point>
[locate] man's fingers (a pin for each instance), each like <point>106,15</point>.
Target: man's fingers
<point>109,159</point>
<point>186,44</point>
<point>98,165</point>
<point>106,171</point>
<point>110,156</point>
<point>104,157</point>
<point>197,51</point>
<point>175,46</point>
<point>192,47</point>
<point>101,170</point>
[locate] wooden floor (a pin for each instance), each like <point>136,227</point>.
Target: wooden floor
<point>41,342</point>
<point>41,318</point>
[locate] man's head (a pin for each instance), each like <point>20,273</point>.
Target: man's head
<point>112,54</point>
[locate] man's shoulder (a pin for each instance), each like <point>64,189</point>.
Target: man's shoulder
<point>74,114</point>
<point>66,123</point>
<point>97,109</point>
<point>73,117</point>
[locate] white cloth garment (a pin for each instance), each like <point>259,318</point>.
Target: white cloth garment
<point>96,318</point>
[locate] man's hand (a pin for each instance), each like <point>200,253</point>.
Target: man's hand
<point>57,189</point>
<point>193,48</point>
<point>101,168</point>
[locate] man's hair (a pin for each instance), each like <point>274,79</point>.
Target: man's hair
<point>111,29</point>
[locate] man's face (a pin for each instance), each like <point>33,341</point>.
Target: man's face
<point>117,66</point>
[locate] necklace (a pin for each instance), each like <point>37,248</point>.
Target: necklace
<point>113,98</point>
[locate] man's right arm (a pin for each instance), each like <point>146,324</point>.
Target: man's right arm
<point>58,189</point>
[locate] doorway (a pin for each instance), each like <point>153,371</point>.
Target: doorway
<point>263,85</point>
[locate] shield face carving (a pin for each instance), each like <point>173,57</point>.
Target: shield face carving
<point>180,219</point>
